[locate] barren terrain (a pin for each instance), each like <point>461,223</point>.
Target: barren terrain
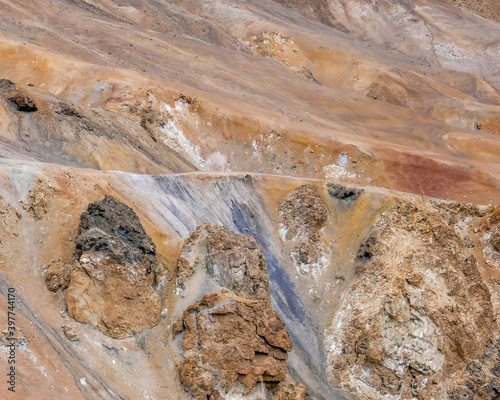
<point>250,199</point>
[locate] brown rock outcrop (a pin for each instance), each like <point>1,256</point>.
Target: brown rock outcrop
<point>229,338</point>
<point>112,284</point>
<point>292,391</point>
<point>489,235</point>
<point>235,261</point>
<point>302,215</point>
<point>417,313</point>
<point>480,379</point>
<point>23,103</point>
<point>58,274</point>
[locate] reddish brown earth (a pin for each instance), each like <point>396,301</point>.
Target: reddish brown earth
<point>228,338</point>
<point>242,200</point>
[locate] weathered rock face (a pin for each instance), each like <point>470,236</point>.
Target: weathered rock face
<point>113,229</point>
<point>58,274</point>
<point>229,338</point>
<point>292,391</point>
<point>19,100</point>
<point>112,284</point>
<point>23,102</point>
<point>233,335</point>
<point>236,262</point>
<point>408,100</point>
<point>490,237</point>
<point>417,313</point>
<point>302,215</point>
<point>480,379</point>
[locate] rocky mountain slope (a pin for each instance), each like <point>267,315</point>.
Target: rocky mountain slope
<point>282,200</point>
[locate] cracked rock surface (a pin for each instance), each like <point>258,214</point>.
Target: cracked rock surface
<point>302,216</point>
<point>418,311</point>
<point>228,338</point>
<point>111,286</point>
<point>233,260</point>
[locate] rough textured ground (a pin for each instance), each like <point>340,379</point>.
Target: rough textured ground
<point>485,8</point>
<point>242,200</point>
<point>236,262</point>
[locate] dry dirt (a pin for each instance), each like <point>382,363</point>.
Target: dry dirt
<point>250,200</point>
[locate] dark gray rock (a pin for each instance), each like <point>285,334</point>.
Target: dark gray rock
<point>23,103</point>
<point>113,229</point>
<point>343,193</point>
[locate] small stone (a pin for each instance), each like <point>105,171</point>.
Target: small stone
<point>70,332</point>
<point>58,275</point>
<point>292,391</point>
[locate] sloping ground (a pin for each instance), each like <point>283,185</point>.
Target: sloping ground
<point>320,10</point>
<point>290,139</point>
<point>438,274</point>
<point>243,87</point>
<point>485,8</point>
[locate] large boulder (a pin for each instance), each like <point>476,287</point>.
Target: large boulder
<point>229,338</point>
<point>235,261</point>
<point>112,283</point>
<point>302,216</point>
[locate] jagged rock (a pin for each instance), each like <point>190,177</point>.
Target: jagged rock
<point>70,332</point>
<point>113,229</point>
<point>341,192</point>
<point>306,72</point>
<point>23,102</point>
<point>69,111</point>
<point>112,284</point>
<point>7,85</point>
<point>302,215</point>
<point>234,261</point>
<point>417,313</point>
<point>489,235</point>
<point>229,338</point>
<point>303,209</point>
<point>365,251</point>
<point>495,240</point>
<point>58,275</point>
<point>36,204</point>
<point>480,379</point>
<point>292,391</point>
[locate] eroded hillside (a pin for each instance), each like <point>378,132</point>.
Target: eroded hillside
<point>394,295</point>
<point>250,199</point>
